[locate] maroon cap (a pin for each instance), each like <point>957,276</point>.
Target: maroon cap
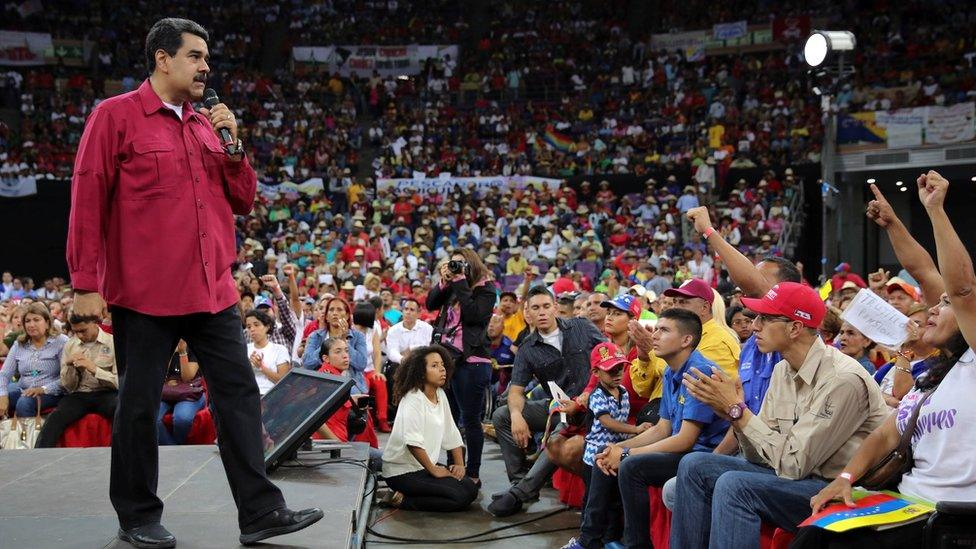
<point>792,300</point>
<point>695,287</point>
<point>606,356</point>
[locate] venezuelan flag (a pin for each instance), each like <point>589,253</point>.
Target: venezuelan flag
<point>560,141</point>
<point>871,510</point>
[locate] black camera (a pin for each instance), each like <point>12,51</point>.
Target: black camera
<point>457,266</point>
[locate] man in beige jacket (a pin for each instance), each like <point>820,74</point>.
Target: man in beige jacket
<point>820,406</point>
<point>88,374</point>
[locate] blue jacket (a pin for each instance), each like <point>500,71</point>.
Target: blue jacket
<point>357,356</point>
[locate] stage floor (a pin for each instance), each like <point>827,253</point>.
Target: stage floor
<point>58,498</point>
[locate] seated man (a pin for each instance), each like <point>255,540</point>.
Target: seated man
<point>88,374</point>
<point>686,425</point>
<point>559,351</point>
<point>820,406</point>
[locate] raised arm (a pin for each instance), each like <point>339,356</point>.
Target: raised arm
<point>909,252</point>
<point>954,262</point>
<point>741,270</point>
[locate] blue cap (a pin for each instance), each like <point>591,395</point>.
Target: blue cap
<point>262,301</point>
<point>626,303</point>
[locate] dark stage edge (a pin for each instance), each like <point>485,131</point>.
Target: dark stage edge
<point>58,498</point>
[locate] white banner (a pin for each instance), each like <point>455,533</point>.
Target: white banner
<point>876,319</point>
<point>729,31</point>
<point>24,48</point>
<point>691,43</point>
<point>16,187</point>
<point>443,185</point>
<point>950,124</point>
<point>903,127</point>
<point>363,60</point>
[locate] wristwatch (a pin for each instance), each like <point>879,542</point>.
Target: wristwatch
<point>624,452</point>
<point>238,147</point>
<point>736,410</point>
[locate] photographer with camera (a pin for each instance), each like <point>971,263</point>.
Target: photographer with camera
<point>466,299</point>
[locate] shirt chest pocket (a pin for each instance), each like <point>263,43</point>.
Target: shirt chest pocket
<point>151,172</point>
<point>213,160</point>
<point>784,416</point>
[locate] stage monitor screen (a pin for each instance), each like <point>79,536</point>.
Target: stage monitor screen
<point>295,408</point>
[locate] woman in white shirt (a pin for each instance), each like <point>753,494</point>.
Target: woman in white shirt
<point>423,428</point>
<point>270,361</point>
<point>943,443</point>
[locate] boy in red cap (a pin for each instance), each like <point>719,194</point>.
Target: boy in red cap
<point>611,407</point>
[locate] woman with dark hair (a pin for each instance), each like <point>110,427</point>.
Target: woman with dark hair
<point>466,301</point>
<point>336,322</point>
<point>423,428</point>
<point>940,470</point>
<point>271,361</point>
<point>35,357</point>
<point>364,321</point>
<point>740,320</point>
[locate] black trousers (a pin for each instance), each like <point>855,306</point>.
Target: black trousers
<point>425,492</point>
<point>143,347</point>
<point>71,408</point>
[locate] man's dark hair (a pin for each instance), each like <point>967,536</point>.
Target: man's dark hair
<point>167,35</point>
<point>730,314</point>
<point>409,299</point>
<point>508,294</point>
<point>688,323</point>
<point>262,317</point>
<point>539,290</point>
<point>787,269</point>
<point>377,303</point>
<point>364,314</point>
<point>74,318</point>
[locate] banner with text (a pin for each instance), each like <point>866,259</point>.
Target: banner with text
<point>24,48</point>
<point>791,29</point>
<point>443,185</point>
<point>692,44</point>
<point>728,31</point>
<point>909,127</point>
<point>363,60</point>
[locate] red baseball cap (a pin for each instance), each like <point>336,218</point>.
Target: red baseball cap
<point>607,356</point>
<point>792,300</point>
<point>695,287</point>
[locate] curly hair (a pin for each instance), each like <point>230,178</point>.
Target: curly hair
<point>412,373</point>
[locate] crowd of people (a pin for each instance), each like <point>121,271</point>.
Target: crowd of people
<point>684,389</point>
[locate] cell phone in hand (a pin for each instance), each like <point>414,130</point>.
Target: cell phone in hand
<point>366,401</point>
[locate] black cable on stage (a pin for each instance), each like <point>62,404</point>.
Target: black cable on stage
<point>479,537</point>
<point>394,540</point>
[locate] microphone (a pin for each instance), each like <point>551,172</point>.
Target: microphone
<point>210,101</point>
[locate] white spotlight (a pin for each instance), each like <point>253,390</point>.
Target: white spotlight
<point>821,43</point>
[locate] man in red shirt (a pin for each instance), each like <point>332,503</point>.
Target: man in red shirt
<point>153,200</point>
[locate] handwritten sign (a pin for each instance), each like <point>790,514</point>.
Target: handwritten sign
<point>876,319</point>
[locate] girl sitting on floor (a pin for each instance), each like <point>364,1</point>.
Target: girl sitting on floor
<point>422,428</point>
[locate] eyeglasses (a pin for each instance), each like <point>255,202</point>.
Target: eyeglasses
<point>764,318</point>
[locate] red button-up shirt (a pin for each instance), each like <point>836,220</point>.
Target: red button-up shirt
<point>153,200</point>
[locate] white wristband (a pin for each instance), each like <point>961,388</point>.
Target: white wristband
<point>846,476</point>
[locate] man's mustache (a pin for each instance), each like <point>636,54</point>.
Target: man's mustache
<point>200,78</point>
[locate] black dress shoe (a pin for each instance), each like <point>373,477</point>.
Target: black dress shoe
<point>150,536</point>
<point>276,523</point>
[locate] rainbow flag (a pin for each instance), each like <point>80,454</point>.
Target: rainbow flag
<point>876,509</point>
<point>560,141</point>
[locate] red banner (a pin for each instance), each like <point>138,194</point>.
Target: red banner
<point>791,29</point>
